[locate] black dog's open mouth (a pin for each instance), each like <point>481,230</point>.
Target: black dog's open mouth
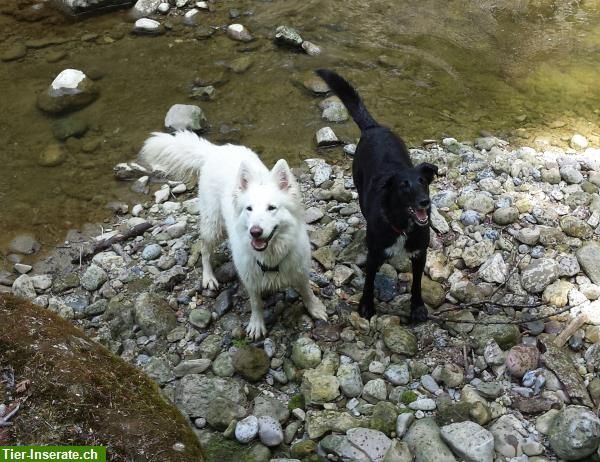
<point>261,244</point>
<point>420,215</point>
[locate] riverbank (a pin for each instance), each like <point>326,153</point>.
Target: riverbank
<point>425,68</point>
<point>515,227</point>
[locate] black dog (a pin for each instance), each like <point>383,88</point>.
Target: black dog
<point>393,196</point>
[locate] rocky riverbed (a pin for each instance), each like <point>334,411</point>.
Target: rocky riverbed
<point>514,239</point>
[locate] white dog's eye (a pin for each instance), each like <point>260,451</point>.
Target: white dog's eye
<point>271,207</point>
<point>249,208</point>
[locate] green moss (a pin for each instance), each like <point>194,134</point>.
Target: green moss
<point>240,342</point>
<point>297,401</point>
<point>81,394</point>
<point>219,449</point>
<point>408,397</point>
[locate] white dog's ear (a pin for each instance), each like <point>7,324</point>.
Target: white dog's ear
<point>244,176</point>
<point>282,174</point>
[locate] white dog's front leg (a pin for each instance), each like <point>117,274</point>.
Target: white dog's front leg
<point>314,306</point>
<point>209,280</point>
<point>256,327</point>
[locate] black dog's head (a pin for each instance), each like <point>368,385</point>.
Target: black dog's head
<point>406,195</point>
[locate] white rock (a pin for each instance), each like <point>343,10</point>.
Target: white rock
<point>246,429</point>
<point>146,25</point>
<point>372,442</point>
<point>470,441</point>
<point>404,421</point>
<point>578,141</point>
<point>162,194</point>
<point>326,137</point>
<point>23,287</point>
<point>269,431</point>
<point>67,81</point>
<point>145,7</point>
<point>424,404</point>
<point>397,374</point>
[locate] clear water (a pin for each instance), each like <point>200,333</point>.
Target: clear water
<point>428,68</point>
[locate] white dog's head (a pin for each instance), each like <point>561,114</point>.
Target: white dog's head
<point>267,205</point>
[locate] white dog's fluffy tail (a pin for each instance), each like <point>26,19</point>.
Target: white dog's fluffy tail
<point>181,154</point>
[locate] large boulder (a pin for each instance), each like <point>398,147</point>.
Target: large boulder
<point>78,384</point>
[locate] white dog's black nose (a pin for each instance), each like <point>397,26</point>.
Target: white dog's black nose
<point>256,231</point>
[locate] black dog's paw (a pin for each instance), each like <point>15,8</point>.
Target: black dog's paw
<point>366,310</point>
<point>418,314</point>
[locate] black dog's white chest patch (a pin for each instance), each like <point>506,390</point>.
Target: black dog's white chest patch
<point>399,248</point>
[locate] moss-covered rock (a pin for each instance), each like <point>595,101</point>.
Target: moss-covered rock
<point>81,394</point>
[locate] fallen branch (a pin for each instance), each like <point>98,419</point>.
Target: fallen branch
<point>575,324</point>
<point>436,318</point>
<point>4,420</point>
<point>107,243</point>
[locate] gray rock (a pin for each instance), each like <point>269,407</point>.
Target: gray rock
<point>14,52</point>
<point>318,387</point>
<point>195,392</point>
<point>589,259</point>
<point>424,404</point>
<point>191,366</point>
<point>403,423</point>
<point>269,431</point>
<point>335,112</point>
<point>470,441</point>
<point>340,446</point>
<point>326,137</point>
<point>93,278</point>
<point>186,117</point>
<point>168,279</point>
<point>145,7</point>
<point>23,287</point>
<point>478,253</point>
<point>288,36</point>
<point>423,439</point>
<point>24,244</point>
<point>321,173</point>
<point>400,340</point>
<point>529,236</point>
<point>575,433</point>
<point>222,411</point>
<point>397,374</point>
<point>350,380</point>
<point>373,443</point>
<point>246,429</point>
<point>571,175</point>
<point>146,26</point>
<point>223,365</point>
<point>506,216</point>
<point>151,252</point>
<point>539,274</point>
<point>69,91</point>
<point>509,436</point>
<point>239,32</point>
<point>306,353</point>
<point>310,48</point>
<point>200,317</point>
<point>154,315</point>
<point>494,269</point>
<point>265,405</point>
<point>374,391</point>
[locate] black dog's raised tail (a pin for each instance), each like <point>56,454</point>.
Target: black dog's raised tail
<point>349,97</point>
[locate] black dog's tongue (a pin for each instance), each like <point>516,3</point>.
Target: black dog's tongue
<point>421,214</point>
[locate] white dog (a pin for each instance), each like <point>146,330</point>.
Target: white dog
<point>259,209</point>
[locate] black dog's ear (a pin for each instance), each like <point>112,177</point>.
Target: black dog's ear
<point>428,171</point>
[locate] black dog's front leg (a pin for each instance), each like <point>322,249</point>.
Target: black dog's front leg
<point>418,311</point>
<point>374,261</point>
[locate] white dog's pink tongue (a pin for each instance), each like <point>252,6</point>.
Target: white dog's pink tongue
<point>259,244</point>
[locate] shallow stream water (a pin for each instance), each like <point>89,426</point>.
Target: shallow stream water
<point>427,68</point>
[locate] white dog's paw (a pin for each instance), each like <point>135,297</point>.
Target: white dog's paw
<point>256,327</point>
<point>210,282</point>
<point>317,310</point>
